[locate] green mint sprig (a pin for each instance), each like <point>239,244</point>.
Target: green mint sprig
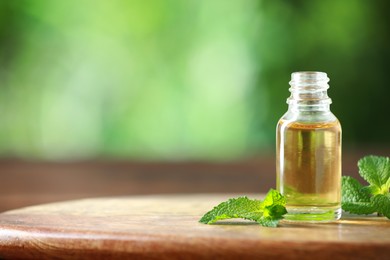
<point>267,212</point>
<point>375,197</point>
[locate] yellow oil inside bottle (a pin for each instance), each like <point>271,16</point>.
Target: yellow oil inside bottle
<point>309,169</point>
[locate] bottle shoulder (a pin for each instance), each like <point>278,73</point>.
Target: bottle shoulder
<point>334,125</point>
<point>314,118</point>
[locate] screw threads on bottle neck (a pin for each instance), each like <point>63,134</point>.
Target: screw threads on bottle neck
<point>309,91</point>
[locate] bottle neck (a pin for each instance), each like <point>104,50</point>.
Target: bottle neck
<point>309,92</point>
<point>308,108</point>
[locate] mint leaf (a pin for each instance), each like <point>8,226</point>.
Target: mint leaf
<point>354,198</point>
<point>267,212</point>
<point>376,171</point>
<point>241,207</point>
<point>382,204</point>
<point>372,198</point>
<point>353,190</point>
<point>272,199</point>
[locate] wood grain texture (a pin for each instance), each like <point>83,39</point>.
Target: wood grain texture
<point>166,227</point>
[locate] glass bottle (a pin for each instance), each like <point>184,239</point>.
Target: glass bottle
<point>308,151</point>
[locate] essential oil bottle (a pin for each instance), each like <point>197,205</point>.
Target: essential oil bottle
<point>308,151</point>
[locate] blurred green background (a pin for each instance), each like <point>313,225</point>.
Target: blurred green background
<point>182,79</point>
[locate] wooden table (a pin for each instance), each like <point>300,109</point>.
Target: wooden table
<point>166,227</point>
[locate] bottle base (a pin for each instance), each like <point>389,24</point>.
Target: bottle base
<point>312,214</point>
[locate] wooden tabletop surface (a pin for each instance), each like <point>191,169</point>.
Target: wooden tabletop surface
<point>167,227</point>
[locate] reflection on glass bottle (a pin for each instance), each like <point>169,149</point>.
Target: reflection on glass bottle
<point>308,144</point>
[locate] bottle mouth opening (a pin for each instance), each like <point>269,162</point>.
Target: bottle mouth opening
<point>308,74</point>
